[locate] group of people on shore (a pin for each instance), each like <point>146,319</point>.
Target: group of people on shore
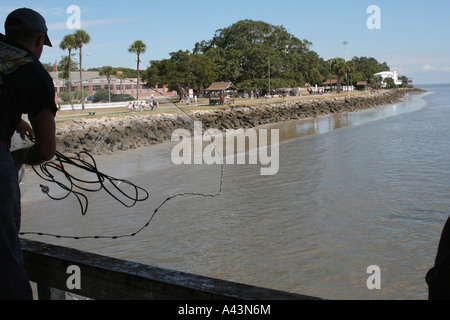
<point>141,106</point>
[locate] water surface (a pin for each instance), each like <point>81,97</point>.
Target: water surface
<point>353,190</point>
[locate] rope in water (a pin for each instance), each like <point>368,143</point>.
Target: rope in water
<point>62,161</point>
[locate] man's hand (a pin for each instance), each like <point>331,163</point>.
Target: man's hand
<point>23,129</point>
<point>45,143</point>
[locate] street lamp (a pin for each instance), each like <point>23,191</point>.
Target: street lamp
<point>331,87</point>
<point>269,75</point>
<point>345,43</point>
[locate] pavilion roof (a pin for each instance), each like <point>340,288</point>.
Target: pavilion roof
<point>221,86</point>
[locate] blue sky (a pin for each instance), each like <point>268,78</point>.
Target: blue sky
<point>413,38</point>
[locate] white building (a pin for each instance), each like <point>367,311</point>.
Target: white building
<point>389,74</point>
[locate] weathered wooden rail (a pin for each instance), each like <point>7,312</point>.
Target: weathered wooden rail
<point>108,278</point>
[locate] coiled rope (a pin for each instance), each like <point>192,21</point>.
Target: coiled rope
<point>74,184</point>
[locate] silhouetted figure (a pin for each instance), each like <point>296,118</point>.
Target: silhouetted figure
<point>438,277</point>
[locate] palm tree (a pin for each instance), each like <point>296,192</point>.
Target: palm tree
<point>63,67</point>
<point>121,76</point>
<point>81,37</point>
<point>350,69</point>
<point>68,43</point>
<point>137,47</point>
<point>340,68</point>
<point>108,71</point>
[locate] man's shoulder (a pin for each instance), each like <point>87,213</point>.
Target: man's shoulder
<point>10,48</point>
<point>12,52</point>
<point>12,56</point>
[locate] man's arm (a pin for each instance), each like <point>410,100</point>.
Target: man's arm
<point>45,142</point>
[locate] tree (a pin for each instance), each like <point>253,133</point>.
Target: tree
<point>350,70</point>
<point>63,67</point>
<point>121,75</point>
<point>81,38</point>
<point>137,47</point>
<point>103,95</point>
<point>404,81</point>
<point>48,66</point>
<point>108,71</point>
<point>182,71</point>
<point>390,83</point>
<point>76,94</point>
<point>68,43</point>
<point>243,50</point>
<point>365,68</point>
<point>339,67</point>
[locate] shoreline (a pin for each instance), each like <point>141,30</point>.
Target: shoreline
<point>110,134</point>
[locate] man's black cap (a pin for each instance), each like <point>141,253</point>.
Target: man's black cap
<point>27,19</point>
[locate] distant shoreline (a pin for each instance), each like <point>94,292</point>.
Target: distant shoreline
<point>110,134</point>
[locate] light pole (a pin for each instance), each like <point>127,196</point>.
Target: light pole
<point>269,74</point>
<point>345,43</point>
<point>331,87</point>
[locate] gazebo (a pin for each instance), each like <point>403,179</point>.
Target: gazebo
<point>218,91</point>
<point>330,83</point>
<point>361,85</point>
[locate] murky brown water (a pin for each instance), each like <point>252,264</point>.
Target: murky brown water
<point>352,190</point>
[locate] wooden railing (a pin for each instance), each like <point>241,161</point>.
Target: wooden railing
<point>53,268</point>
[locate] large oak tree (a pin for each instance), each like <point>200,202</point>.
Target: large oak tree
<point>182,71</point>
<point>250,51</point>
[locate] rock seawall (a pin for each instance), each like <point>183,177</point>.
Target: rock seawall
<point>106,135</point>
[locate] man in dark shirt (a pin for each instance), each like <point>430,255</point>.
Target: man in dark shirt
<point>25,88</point>
<point>438,277</point>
